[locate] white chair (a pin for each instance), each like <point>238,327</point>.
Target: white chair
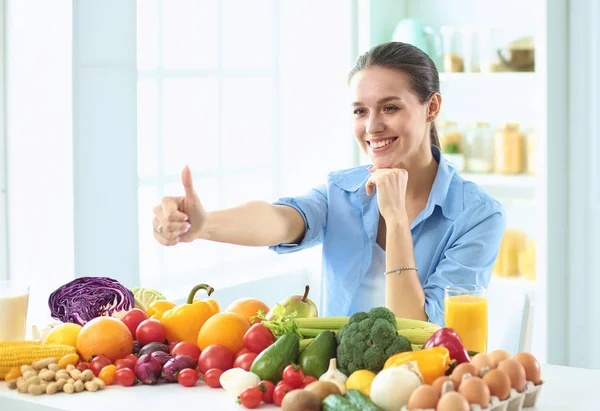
<point>510,320</point>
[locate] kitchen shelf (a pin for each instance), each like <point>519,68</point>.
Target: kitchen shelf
<point>519,185</point>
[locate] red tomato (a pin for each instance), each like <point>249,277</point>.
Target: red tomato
<point>242,351</point>
<point>245,361</point>
<point>257,338</point>
<point>132,358</point>
<point>133,318</point>
<point>124,363</point>
<point>308,379</point>
<point>267,388</point>
<point>212,376</point>
<point>279,392</point>
<point>187,377</point>
<point>98,363</point>
<point>82,366</point>
<point>186,348</point>
<point>251,397</point>
<point>293,375</point>
<point>215,356</point>
<point>151,330</point>
<point>125,377</point>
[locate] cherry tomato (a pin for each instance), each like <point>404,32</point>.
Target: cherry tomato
<point>242,351</point>
<point>186,348</point>
<point>257,338</point>
<point>151,330</point>
<point>131,357</point>
<point>267,388</point>
<point>125,377</point>
<point>107,374</point>
<point>133,318</point>
<point>293,375</point>
<point>279,392</point>
<point>212,376</point>
<point>308,379</point>
<point>187,377</point>
<point>215,356</point>
<point>251,397</point>
<point>124,363</point>
<point>98,363</point>
<point>245,361</point>
<point>82,366</point>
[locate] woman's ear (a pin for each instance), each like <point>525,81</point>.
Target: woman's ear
<point>433,106</point>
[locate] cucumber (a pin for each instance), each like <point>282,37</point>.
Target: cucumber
<point>337,403</point>
<point>361,401</point>
<point>269,364</point>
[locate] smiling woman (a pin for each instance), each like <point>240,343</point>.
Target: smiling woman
<point>393,234</point>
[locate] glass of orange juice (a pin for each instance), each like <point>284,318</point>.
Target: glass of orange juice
<point>466,311</point>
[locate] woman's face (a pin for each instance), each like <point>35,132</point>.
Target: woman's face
<point>390,124</point>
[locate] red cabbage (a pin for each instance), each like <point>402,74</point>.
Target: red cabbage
<point>86,298</point>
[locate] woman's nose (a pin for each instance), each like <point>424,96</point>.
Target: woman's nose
<point>374,124</point>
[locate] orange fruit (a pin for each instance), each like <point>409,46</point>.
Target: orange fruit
<point>104,335</point>
<point>224,328</point>
<point>248,307</point>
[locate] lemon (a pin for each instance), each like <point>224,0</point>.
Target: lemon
<point>65,333</point>
<point>361,380</point>
<point>145,296</point>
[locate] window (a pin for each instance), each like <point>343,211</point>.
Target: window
<point>252,96</point>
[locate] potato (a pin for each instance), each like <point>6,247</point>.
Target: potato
<point>301,400</point>
<point>322,389</point>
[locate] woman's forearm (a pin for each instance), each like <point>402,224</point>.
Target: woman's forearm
<point>404,294</point>
<point>256,223</point>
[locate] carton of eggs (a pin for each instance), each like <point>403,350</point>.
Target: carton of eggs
<point>490,382</point>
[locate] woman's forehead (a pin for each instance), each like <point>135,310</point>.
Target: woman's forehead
<point>376,82</point>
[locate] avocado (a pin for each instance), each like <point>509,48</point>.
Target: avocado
<point>314,359</point>
<point>269,364</point>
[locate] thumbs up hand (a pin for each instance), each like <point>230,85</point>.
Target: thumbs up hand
<point>179,219</point>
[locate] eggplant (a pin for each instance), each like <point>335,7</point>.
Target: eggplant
<point>137,347</point>
<point>162,357</point>
<point>147,369</point>
<point>152,347</point>
<point>172,368</point>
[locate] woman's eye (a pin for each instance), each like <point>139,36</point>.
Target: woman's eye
<point>358,111</point>
<point>390,108</point>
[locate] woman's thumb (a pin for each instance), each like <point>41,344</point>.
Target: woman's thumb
<point>186,179</point>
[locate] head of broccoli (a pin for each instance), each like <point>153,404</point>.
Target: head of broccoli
<point>368,340</point>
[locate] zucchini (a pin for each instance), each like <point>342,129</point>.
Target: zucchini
<point>360,401</point>
<point>337,403</point>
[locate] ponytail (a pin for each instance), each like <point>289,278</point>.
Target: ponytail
<point>435,140</point>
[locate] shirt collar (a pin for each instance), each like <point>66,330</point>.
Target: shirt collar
<point>450,201</point>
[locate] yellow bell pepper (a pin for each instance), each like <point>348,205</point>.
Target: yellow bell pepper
<point>432,362</point>
<point>184,321</point>
<point>157,308</point>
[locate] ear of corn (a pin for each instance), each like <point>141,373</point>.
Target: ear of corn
<point>417,332</point>
<point>18,353</point>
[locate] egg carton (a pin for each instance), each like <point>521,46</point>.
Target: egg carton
<point>516,401</point>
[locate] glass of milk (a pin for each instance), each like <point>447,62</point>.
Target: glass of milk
<point>14,302</point>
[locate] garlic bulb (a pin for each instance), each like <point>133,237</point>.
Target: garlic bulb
<point>335,376</point>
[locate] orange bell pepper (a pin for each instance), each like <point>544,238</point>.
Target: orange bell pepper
<point>184,321</point>
<point>432,362</point>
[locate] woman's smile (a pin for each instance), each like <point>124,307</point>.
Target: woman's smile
<point>378,145</point>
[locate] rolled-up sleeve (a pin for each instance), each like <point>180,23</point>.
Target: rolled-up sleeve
<point>468,260</point>
<point>313,209</point>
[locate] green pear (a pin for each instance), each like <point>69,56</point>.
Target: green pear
<point>301,304</point>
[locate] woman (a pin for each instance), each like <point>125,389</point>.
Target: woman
<point>395,233</point>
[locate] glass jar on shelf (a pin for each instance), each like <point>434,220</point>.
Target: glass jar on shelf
<point>508,149</point>
<point>479,147</point>
<point>452,46</point>
<point>451,143</point>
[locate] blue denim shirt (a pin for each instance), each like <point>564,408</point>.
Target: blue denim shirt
<point>456,237</point>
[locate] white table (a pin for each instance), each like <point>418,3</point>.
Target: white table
<point>565,388</point>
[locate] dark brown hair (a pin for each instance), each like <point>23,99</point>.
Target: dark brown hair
<point>412,61</point>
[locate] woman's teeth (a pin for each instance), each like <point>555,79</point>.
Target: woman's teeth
<point>383,143</point>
